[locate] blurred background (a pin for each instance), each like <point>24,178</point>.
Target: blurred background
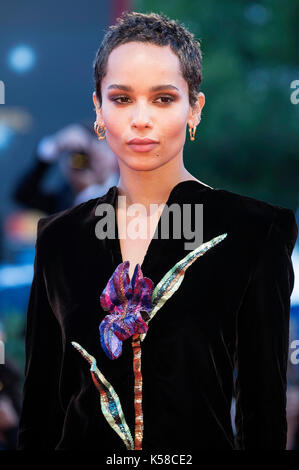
<point>50,159</point>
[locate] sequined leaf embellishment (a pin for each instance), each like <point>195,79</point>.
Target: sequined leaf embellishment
<point>174,277</point>
<point>110,403</point>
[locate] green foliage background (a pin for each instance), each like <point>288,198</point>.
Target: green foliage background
<point>248,139</point>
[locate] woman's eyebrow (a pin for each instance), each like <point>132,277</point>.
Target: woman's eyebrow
<point>154,88</point>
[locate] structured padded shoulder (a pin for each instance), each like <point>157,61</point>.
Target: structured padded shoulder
<point>262,215</point>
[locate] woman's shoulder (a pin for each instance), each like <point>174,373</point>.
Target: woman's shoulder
<point>65,225</point>
<point>228,202</point>
<point>254,212</point>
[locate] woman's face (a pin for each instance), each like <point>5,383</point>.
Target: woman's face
<point>131,107</point>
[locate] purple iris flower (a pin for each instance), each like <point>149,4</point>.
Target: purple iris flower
<point>128,303</point>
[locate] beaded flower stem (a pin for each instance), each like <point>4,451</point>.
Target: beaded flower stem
<point>137,391</point>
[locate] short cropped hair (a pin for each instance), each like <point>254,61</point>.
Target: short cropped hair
<point>155,29</point>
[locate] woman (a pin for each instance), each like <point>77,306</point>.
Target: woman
<point>132,342</point>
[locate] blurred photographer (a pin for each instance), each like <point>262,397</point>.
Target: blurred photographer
<point>89,168</point>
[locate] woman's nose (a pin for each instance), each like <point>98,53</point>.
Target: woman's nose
<point>141,116</point>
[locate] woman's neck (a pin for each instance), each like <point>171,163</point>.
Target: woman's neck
<point>148,187</point>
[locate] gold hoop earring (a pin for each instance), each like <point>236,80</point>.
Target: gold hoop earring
<point>99,130</point>
<point>192,131</point>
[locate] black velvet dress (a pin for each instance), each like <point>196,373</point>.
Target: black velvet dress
<point>229,313</point>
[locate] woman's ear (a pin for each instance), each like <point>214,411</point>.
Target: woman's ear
<point>195,111</point>
<point>97,107</point>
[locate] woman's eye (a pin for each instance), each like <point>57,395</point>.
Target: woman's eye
<point>119,98</point>
<point>168,99</point>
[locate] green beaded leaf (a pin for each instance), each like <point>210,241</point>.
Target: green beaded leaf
<point>174,277</point>
<point>110,403</point>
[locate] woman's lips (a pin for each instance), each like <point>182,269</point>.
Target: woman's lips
<point>143,147</point>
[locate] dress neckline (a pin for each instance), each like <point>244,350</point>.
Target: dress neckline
<point>179,188</point>
<point>181,185</point>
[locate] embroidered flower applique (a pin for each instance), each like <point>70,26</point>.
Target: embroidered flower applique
<point>131,305</point>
